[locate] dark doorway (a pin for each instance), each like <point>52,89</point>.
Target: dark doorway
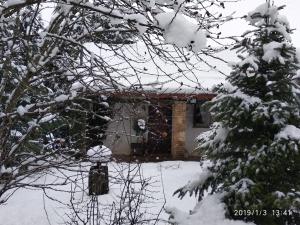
<point>160,129</point>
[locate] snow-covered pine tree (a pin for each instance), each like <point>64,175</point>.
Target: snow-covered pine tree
<point>254,144</point>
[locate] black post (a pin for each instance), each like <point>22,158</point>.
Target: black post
<point>98,180</point>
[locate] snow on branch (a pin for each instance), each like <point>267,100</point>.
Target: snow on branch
<point>246,101</point>
<point>289,132</point>
<point>179,30</point>
<point>272,51</point>
<point>261,12</point>
<point>193,186</point>
<point>275,22</point>
<point>218,134</point>
<point>242,186</point>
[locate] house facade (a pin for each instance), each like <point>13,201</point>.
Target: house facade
<point>162,124</point>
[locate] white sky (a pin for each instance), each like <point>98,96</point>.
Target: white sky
<point>292,12</point>
<point>239,26</point>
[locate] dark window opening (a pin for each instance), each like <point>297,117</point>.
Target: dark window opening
<point>201,116</point>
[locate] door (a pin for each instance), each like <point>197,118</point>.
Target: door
<point>160,129</point>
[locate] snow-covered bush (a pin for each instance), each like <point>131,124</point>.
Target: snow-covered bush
<point>254,142</point>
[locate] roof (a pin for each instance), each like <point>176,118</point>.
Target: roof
<point>153,95</point>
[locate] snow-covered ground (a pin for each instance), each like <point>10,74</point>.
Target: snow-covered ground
<point>30,207</point>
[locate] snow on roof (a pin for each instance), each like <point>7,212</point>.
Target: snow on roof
<point>150,95</point>
<point>154,73</point>
<point>153,80</point>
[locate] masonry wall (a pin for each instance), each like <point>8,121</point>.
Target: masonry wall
<point>178,129</point>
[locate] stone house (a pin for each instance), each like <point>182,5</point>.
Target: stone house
<point>157,123</point>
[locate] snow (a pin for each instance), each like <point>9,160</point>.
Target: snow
<point>257,15</point>
<point>298,53</point>
<point>89,83</point>
<point>152,4</point>
<point>61,98</point>
<point>141,124</point>
<point>113,12</point>
<point>221,134</point>
<point>180,31</point>
<point>279,194</point>
<point>289,132</point>
<point>10,3</point>
<point>281,28</point>
<point>191,78</point>
<point>48,117</point>
<point>77,86</point>
<point>246,102</point>
<point>272,52</point>
<point>210,211</point>
<point>297,76</point>
<point>283,20</point>
<point>21,110</point>
<point>218,131</point>
<point>105,104</point>
<point>252,60</point>
<point>278,22</point>
<point>198,182</point>
<point>178,4</point>
<point>242,186</point>
<point>16,133</point>
<point>99,153</point>
<point>159,88</point>
<point>141,21</point>
<point>246,98</point>
<point>28,206</point>
<point>107,118</point>
<point>4,169</point>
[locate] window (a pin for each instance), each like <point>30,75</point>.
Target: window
<point>201,116</point>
